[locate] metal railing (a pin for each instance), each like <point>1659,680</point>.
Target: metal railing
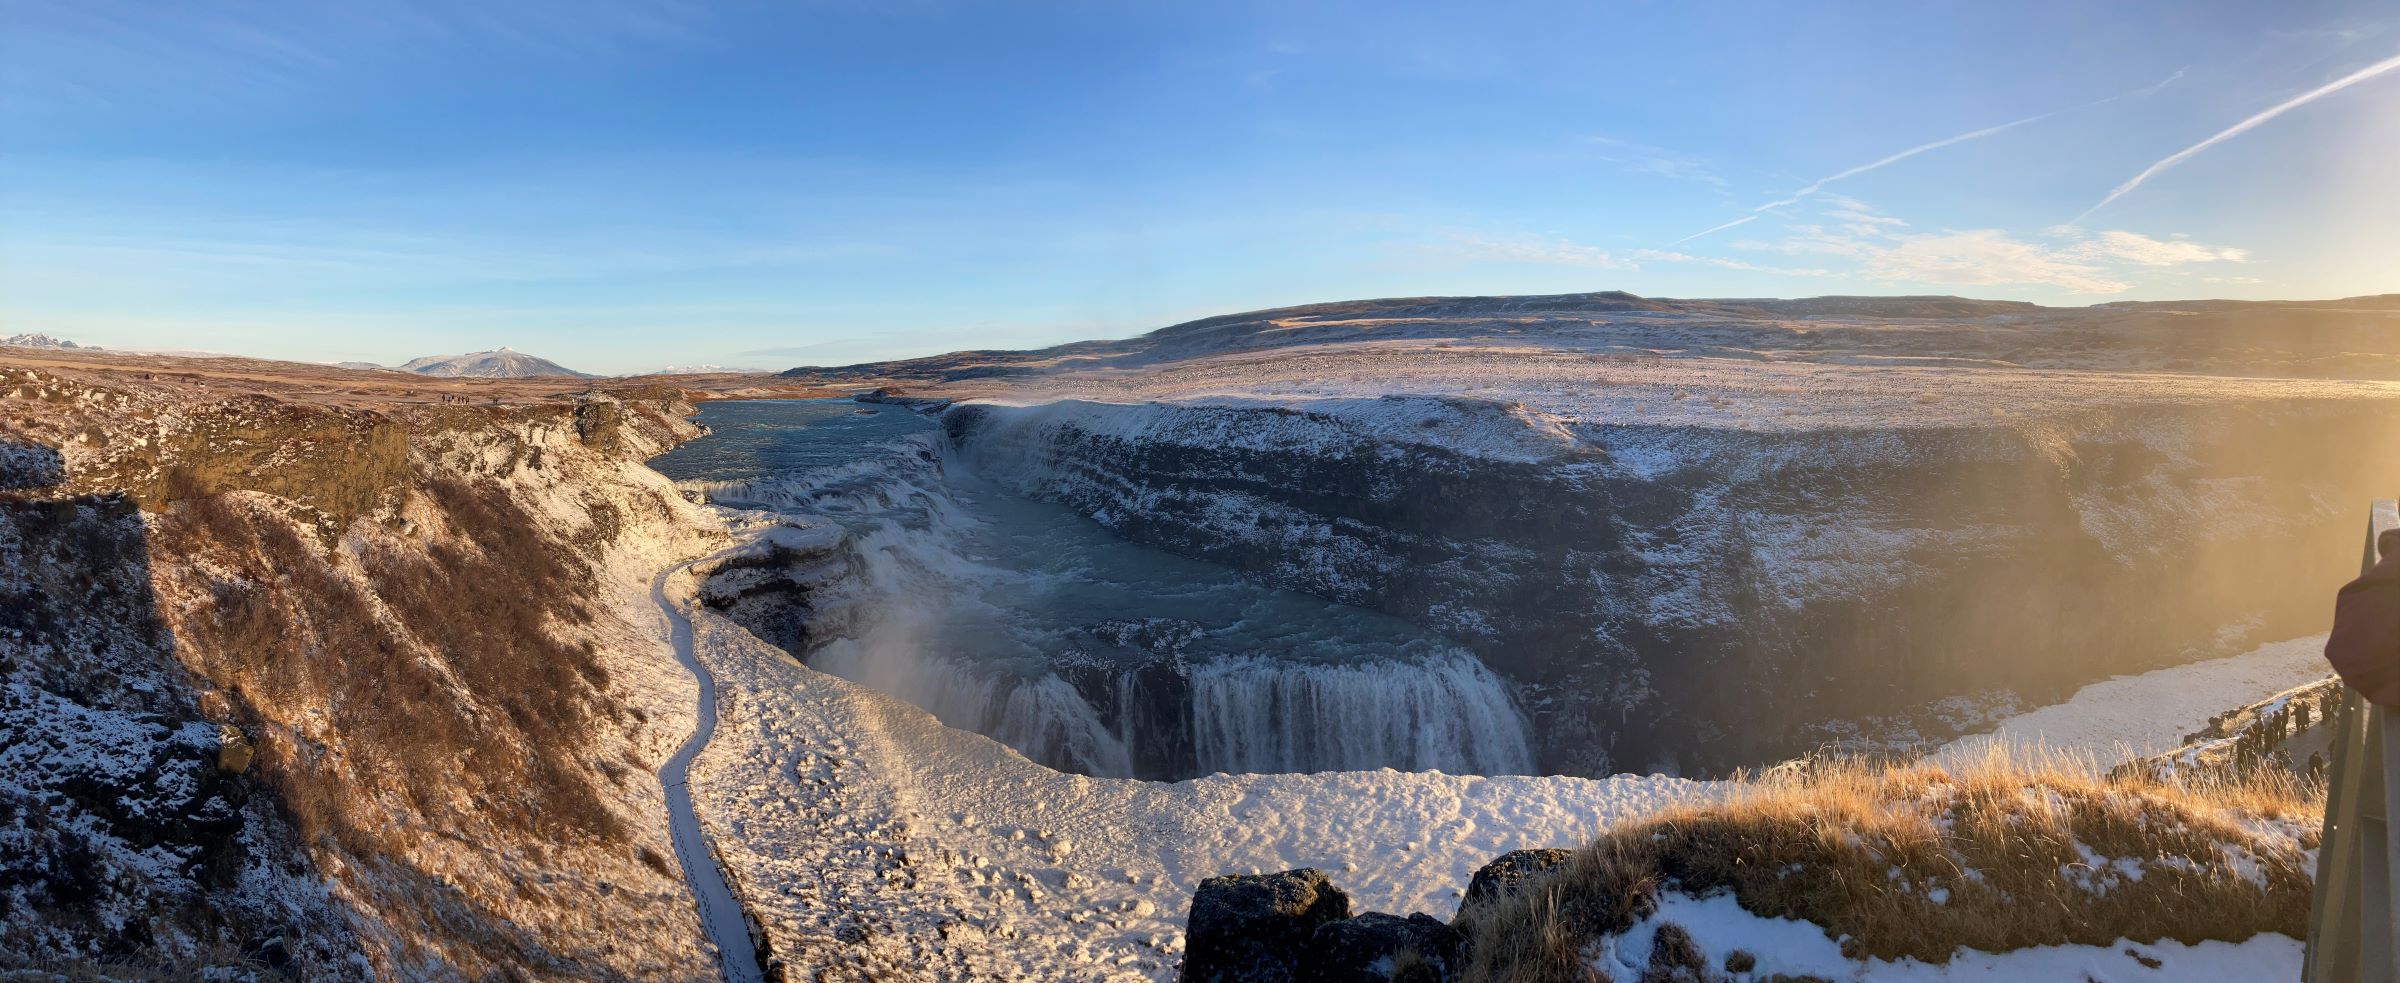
<point>2352,933</point>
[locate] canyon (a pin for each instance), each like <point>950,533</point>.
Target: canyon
<point>338,675</point>
<point>1695,536</point>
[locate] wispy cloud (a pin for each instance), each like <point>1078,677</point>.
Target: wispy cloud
<point>2064,257</point>
<point>1986,257</point>
<point>1530,249</point>
<point>1552,250</point>
<point>75,59</point>
<point>2245,126</point>
<point>1882,162</point>
<point>1814,187</point>
<point>1855,240</point>
<point>1643,158</point>
<point>2141,250</point>
<point>1726,263</point>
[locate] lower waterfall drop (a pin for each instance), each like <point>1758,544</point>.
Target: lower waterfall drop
<point>1448,714</point>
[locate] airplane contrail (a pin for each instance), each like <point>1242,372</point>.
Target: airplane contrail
<point>1752,217</point>
<point>1888,160</point>
<point>1913,151</point>
<point>2245,126</point>
<point>1820,183</point>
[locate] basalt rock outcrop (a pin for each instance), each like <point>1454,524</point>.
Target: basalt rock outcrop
<point>1296,927</point>
<point>1501,877</point>
<point>1256,928</point>
<point>1382,948</point>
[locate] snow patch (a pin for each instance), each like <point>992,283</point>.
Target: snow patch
<point>1720,927</point>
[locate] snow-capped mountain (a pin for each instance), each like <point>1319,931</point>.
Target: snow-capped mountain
<point>38,340</point>
<point>504,363</point>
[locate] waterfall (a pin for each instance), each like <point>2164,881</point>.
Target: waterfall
<point>1242,715</point>
<point>1447,714</point>
<point>934,623</point>
<point>1050,721</point>
<point>1044,717</point>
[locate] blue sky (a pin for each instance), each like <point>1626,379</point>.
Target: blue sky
<point>626,186</point>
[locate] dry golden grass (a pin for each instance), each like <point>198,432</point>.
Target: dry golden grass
<point>2004,853</point>
<point>465,697</point>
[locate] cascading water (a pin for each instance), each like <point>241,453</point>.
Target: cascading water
<point>1034,626</point>
<point>1446,714</point>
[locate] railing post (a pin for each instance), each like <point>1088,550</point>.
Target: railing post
<point>2355,925</point>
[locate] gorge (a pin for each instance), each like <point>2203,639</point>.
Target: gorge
<point>1680,563</point>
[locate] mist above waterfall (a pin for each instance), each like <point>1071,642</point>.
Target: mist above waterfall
<point>1033,625</point>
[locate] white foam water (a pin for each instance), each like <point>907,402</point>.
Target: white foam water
<point>1447,714</point>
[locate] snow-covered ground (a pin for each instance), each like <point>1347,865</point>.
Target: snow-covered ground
<point>1508,402</point>
<point>865,833</point>
<point>2135,716</point>
<point>1719,927</point>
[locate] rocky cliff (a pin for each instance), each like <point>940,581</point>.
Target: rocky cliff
<point>1688,590</point>
<point>304,684</point>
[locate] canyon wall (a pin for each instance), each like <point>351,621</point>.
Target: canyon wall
<point>334,688</point>
<point>1162,688</point>
<point>1696,597</point>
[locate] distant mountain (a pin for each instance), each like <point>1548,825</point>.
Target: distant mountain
<point>38,341</point>
<point>502,364</point>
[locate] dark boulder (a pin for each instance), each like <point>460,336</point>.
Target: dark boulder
<point>1252,928</point>
<point>1380,948</point>
<point>1501,877</point>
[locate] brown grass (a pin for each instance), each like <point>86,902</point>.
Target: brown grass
<point>459,697</point>
<point>1864,851</point>
<point>490,610</point>
<point>444,675</point>
<point>342,464</point>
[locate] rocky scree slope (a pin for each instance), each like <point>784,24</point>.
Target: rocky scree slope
<point>332,692</point>
<point>1705,584</point>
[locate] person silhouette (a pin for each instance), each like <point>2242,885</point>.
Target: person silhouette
<point>2365,644</point>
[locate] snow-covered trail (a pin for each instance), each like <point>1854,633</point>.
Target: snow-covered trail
<point>720,913</point>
